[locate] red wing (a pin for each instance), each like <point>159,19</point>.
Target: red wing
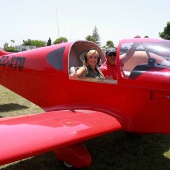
<point>30,135</point>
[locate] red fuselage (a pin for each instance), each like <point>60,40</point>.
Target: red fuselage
<point>42,76</point>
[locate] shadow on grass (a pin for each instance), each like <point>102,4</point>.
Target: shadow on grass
<point>114,151</point>
<point>11,106</point>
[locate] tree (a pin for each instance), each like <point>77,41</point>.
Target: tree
<point>90,38</point>
<point>60,40</point>
<point>49,42</point>
<point>166,33</point>
<point>12,42</point>
<point>96,35</point>
<point>109,43</point>
<point>27,42</point>
<point>37,43</point>
<point>5,45</point>
<point>9,49</point>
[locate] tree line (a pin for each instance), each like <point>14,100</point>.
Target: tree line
<point>95,37</point>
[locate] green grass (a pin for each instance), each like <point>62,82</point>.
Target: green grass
<point>12,104</point>
<point>115,151</point>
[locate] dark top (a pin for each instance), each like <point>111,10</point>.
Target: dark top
<point>91,73</point>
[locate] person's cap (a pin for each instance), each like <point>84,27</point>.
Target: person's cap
<point>111,51</point>
<point>137,36</point>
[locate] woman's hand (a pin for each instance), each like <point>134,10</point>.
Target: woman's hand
<point>73,76</point>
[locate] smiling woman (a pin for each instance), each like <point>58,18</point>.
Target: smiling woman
<point>90,67</point>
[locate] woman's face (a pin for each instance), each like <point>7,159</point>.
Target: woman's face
<point>92,60</point>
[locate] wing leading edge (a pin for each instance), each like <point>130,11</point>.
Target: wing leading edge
<point>26,136</point>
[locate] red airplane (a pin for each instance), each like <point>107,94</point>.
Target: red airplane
<point>76,110</point>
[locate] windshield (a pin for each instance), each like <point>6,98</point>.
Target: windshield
<point>159,48</point>
<point>147,54</point>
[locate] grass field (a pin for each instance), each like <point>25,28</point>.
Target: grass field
<point>115,151</point>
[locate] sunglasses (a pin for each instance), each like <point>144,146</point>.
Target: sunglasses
<point>112,55</point>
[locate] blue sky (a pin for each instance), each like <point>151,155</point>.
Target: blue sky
<point>114,19</point>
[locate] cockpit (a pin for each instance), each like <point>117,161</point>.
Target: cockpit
<point>76,58</point>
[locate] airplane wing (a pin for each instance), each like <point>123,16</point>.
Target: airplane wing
<point>30,135</point>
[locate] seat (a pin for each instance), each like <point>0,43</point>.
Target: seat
<point>74,62</point>
<point>73,69</point>
<point>139,57</point>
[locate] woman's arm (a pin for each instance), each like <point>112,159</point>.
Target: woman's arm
<point>80,72</point>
